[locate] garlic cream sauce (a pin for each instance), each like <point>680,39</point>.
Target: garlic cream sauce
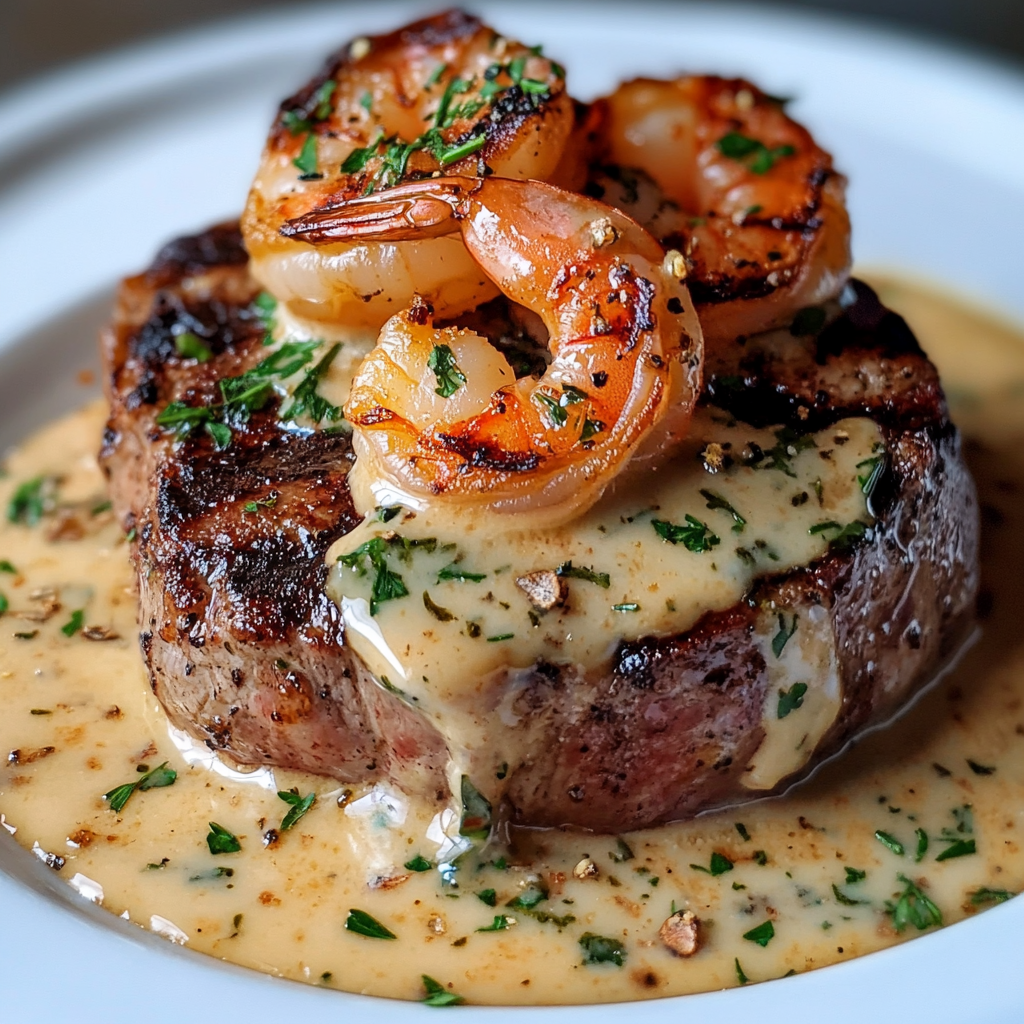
<point>782,885</point>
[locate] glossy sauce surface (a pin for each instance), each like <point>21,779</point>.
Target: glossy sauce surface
<point>79,720</point>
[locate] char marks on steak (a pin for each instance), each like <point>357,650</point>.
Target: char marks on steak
<point>246,652</point>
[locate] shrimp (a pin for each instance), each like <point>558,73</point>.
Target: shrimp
<point>715,168</point>
<point>443,93</point>
<point>438,413</point>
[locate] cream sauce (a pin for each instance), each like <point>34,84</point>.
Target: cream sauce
<point>79,719</point>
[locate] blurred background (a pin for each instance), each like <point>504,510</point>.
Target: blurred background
<point>36,35</point>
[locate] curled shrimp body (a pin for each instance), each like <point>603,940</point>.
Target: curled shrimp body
<point>446,92</point>
<point>439,413</point>
<point>716,169</point>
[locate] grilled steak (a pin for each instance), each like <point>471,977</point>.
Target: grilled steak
<point>246,652</point>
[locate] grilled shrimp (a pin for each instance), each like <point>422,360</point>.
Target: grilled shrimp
<point>438,412</point>
<point>443,93</point>
<point>715,168</point>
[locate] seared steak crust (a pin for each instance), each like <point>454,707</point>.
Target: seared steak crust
<point>246,652</point>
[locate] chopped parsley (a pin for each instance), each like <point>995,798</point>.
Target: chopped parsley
<point>387,584</point>
<point>980,769</point>
<point>791,700</point>
<point>501,922</point>
<point>742,829</point>
<point>306,400</point>
<point>6,566</point>
<point>437,994</point>
<point>449,377</point>
<point>158,778</point>
<point>788,445</point>
<point>922,845</point>
<point>958,848</point>
<point>476,812</point>
<point>30,500</point>
<point>597,949</point>
<point>439,613</point>
<point>762,934</point>
<point>191,346</point>
<point>912,907</point>
<point>985,895</point>
<point>582,572</point>
<point>874,468</point>
<point>488,897</point>
<point>360,922</point>
<point>782,638</point>
<point>847,901</point>
<point>694,535</point>
<point>298,805</point>
<point>626,606</point>
<point>74,624</point>
<point>740,976</point>
<point>758,157</point>
<point>622,852</point>
<point>418,863</point>
<point>320,108</point>
<point>720,864</point>
<point>846,536</point>
<point>220,840</point>
<point>307,161</point>
<point>716,501</point>
<point>453,572</point>
<point>890,842</point>
<point>4,603</point>
<point>854,875</point>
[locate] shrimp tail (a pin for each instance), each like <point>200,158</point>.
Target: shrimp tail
<point>420,209</point>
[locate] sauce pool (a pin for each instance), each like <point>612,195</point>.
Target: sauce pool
<point>836,868</point>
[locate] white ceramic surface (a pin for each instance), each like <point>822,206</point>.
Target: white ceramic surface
<point>103,162</point>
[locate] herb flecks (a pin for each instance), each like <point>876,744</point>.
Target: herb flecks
<point>362,923</point>
<point>449,377</point>
<point>758,157</point>
<point>222,840</point>
<point>694,535</point>
<point>298,806</point>
<point>912,907</point>
<point>598,949</point>
<point>791,700</point>
<point>437,994</point>
<point>158,778</point>
<point>716,501</point>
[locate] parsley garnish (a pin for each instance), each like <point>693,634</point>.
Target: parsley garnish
<point>913,907</point>
<point>716,501</point>
<point>449,377</point>
<point>752,152</point>
<point>922,845</point>
<point>583,572</point>
<point>307,161</point>
<point>30,501</point>
<point>762,934</point>
<point>74,624</point>
<point>500,637</point>
<point>418,863</point>
<point>623,851</point>
<point>597,949</point>
<point>306,400</point>
<point>740,976</point>
<point>298,807</point>
<point>453,572</point>
<point>4,603</point>
<point>6,566</point>
<point>719,865</point>
<point>476,812</point>
<point>360,922</point>
<point>439,613</point>
<point>980,769</point>
<point>760,857</point>
<point>156,779</point>
<point>782,638</point>
<point>844,540</point>
<point>791,700</point>
<point>958,848</point>
<point>500,923</point>
<point>626,606</point>
<point>299,120</point>
<point>742,829</point>
<point>890,842</point>
<point>875,468</point>
<point>788,444</point>
<point>694,535</point>
<point>191,346</point>
<point>855,875</point>
<point>437,994</point>
<point>220,840</point>
<point>985,895</point>
<point>387,584</point>
<point>847,901</point>
<point>488,897</point>
<point>555,411</point>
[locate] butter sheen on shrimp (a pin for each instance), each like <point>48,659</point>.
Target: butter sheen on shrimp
<point>715,168</point>
<point>438,414</point>
<point>446,93</point>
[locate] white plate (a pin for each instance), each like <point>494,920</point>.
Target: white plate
<point>102,163</point>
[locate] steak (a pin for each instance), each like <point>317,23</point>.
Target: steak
<point>247,654</point>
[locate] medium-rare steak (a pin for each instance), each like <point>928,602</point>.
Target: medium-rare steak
<point>246,652</point>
